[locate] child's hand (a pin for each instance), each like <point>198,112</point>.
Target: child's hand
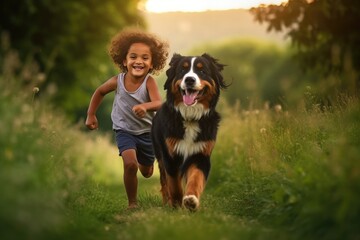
<point>91,122</point>
<point>139,111</point>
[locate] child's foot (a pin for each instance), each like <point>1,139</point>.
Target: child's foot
<point>132,206</point>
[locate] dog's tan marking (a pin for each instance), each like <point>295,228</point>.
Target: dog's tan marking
<point>164,188</point>
<point>205,99</point>
<point>171,143</point>
<point>175,190</point>
<point>176,92</point>
<point>199,65</point>
<point>209,146</point>
<point>195,184</point>
<point>186,64</point>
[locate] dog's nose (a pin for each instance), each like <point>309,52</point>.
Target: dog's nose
<point>190,81</point>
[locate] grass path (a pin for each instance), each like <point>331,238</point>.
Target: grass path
<point>109,217</point>
<point>274,176</point>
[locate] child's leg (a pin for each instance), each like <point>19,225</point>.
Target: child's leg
<point>145,155</point>
<point>146,171</point>
<point>130,178</point>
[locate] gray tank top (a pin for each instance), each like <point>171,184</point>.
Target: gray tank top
<point>122,115</point>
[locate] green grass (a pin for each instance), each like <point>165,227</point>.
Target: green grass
<point>275,175</point>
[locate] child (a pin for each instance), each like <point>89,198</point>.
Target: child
<point>137,54</point>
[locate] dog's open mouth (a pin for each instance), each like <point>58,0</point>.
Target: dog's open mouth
<point>190,96</point>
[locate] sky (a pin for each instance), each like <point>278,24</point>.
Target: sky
<point>202,5</point>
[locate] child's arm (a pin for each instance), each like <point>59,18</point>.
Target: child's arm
<point>109,86</point>
<point>155,99</point>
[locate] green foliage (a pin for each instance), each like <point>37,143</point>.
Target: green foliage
<point>323,32</point>
<point>258,72</point>
<point>67,40</point>
<point>297,171</point>
<point>42,164</point>
<point>275,175</point>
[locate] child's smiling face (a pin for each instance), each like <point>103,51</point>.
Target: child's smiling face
<point>138,60</point>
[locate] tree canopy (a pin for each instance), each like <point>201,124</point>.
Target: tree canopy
<point>325,32</point>
<point>66,39</point>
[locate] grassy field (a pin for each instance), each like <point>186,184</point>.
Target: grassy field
<point>275,175</point>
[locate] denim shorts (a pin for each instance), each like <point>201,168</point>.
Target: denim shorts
<point>141,143</point>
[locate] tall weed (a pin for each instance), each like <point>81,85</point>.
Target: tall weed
<point>297,170</point>
<point>275,174</point>
<point>45,162</point>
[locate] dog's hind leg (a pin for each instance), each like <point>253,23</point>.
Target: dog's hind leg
<point>164,188</point>
<point>171,189</point>
<point>195,184</point>
<point>175,189</point>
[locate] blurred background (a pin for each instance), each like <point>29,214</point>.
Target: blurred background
<point>286,165</point>
<point>273,53</point>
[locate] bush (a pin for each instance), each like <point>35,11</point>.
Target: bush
<point>296,170</point>
<point>46,164</point>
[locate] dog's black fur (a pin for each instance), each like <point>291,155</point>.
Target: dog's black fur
<point>185,127</point>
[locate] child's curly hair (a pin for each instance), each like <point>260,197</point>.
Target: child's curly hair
<point>121,43</point>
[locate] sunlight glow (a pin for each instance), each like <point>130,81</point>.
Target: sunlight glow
<point>203,5</point>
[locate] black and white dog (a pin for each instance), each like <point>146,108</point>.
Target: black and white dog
<point>185,127</point>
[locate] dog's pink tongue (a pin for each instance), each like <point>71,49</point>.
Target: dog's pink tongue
<point>189,98</point>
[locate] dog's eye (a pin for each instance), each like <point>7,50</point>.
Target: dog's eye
<point>202,71</point>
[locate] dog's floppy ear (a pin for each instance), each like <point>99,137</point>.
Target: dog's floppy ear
<point>216,69</point>
<point>170,73</point>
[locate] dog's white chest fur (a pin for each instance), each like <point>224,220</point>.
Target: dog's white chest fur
<point>192,112</point>
<point>187,146</point>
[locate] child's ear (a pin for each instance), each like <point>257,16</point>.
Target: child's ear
<point>124,63</point>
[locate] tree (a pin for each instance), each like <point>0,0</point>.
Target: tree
<point>258,72</point>
<point>67,40</point>
<point>325,33</point>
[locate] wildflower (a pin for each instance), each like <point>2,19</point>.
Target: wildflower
<point>262,130</point>
<point>41,77</point>
<point>36,90</point>
<point>277,108</point>
<point>267,105</point>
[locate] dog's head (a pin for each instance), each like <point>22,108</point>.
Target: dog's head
<point>194,81</point>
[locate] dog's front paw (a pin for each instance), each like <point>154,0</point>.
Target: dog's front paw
<point>191,202</point>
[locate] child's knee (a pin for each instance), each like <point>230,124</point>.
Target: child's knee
<point>131,167</point>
